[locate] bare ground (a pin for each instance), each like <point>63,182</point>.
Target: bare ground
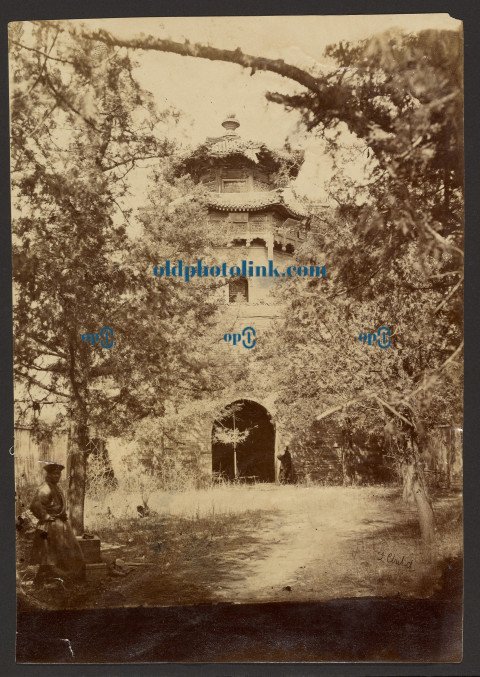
<point>268,543</point>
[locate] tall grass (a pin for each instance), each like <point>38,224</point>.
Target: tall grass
<point>224,500</point>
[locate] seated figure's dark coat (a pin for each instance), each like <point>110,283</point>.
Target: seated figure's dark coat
<point>54,543</point>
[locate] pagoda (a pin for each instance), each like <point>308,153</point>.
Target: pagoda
<point>250,203</point>
<point>258,220</point>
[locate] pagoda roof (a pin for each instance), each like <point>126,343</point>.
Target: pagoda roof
<point>232,146</point>
<point>256,201</point>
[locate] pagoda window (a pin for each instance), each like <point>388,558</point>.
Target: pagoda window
<point>233,185</point>
<point>238,290</point>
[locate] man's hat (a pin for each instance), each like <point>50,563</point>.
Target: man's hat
<point>52,465</point>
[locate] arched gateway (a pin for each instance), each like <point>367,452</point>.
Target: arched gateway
<point>243,443</point>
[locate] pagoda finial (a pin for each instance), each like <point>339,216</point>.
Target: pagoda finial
<point>231,123</point>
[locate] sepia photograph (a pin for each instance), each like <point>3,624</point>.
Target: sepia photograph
<point>238,270</point>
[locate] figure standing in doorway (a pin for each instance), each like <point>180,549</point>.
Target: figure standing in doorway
<point>287,473</point>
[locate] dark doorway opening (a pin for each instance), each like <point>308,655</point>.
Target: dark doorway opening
<point>243,443</point>
<point>238,290</point>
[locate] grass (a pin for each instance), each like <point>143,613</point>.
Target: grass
<point>227,500</point>
<point>268,543</point>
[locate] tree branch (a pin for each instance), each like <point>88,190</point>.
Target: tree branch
<point>55,350</point>
<point>450,293</point>
<point>366,395</point>
<point>132,159</point>
<point>62,100</point>
<point>37,51</point>
<point>424,385</point>
<point>393,410</point>
<point>441,240</point>
<point>34,381</point>
<point>186,48</point>
<point>53,368</point>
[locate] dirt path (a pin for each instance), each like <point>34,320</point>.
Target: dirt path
<point>309,537</point>
<point>270,543</point>
<point>274,543</point>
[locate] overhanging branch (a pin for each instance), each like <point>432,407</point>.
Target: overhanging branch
<point>186,48</point>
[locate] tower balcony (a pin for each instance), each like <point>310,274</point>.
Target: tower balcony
<point>279,238</point>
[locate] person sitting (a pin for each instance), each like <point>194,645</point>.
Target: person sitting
<point>55,548</point>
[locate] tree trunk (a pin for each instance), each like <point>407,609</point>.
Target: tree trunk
<point>78,443</point>
<point>77,476</point>
<point>414,490</point>
<point>425,513</point>
<point>450,455</point>
<point>344,466</point>
<point>346,452</point>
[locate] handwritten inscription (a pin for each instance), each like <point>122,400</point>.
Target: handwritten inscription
<point>393,558</point>
<point>381,553</point>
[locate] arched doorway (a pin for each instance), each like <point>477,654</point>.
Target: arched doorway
<point>243,443</point>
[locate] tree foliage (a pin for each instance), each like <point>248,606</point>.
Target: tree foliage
<point>80,123</point>
<point>394,255</point>
<point>393,247</point>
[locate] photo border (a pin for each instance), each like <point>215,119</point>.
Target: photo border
<point>465,10</point>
